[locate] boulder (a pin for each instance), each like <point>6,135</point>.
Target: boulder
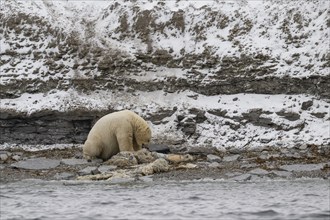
<point>144,156</point>
<point>159,165</point>
<point>123,159</point>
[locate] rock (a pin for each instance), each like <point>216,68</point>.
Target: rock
<point>74,162</point>
<point>123,159</point>
<point>176,158</point>
<point>121,176</point>
<point>3,157</point>
<point>213,158</point>
<point>231,158</point>
<point>159,165</point>
<point>88,171</point>
<point>187,166</point>
<point>285,174</point>
<point>233,174</point>
<point>16,157</point>
<point>106,168</point>
<point>247,165</point>
<point>306,105</point>
<point>302,167</point>
<point>258,171</point>
<point>235,150</point>
<point>37,164</point>
<point>64,176</point>
<point>243,177</point>
<point>159,148</point>
<point>303,147</point>
<point>214,165</point>
<point>159,155</point>
<point>144,156</point>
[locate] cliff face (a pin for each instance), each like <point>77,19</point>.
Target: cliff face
<point>194,69</point>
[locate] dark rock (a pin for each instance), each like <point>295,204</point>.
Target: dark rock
<point>188,126</point>
<point>160,148</point>
<point>306,105</point>
<point>200,115</point>
<point>37,164</point>
<point>218,112</point>
<point>319,114</point>
<point>291,116</point>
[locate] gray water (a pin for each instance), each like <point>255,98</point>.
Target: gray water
<point>303,199</point>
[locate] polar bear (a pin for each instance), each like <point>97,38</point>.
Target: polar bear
<point>116,132</point>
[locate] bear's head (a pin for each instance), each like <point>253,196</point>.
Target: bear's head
<point>90,150</point>
<point>143,136</point>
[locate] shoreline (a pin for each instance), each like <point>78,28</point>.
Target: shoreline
<point>193,164</point>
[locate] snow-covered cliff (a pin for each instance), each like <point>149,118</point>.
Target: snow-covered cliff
<point>203,73</point>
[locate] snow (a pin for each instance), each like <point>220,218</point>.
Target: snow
<point>215,131</point>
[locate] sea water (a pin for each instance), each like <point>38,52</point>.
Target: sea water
<point>35,199</point>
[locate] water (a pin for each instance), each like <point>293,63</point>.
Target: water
<point>303,199</point>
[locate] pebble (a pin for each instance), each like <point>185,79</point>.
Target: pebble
<point>3,157</point>
<point>187,166</point>
<point>214,165</point>
<point>213,158</point>
<point>231,158</point>
<point>37,164</point>
<point>16,157</point>
<point>88,171</point>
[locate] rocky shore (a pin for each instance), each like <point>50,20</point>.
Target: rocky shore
<point>168,164</point>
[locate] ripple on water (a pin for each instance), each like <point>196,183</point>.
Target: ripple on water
<point>160,200</point>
